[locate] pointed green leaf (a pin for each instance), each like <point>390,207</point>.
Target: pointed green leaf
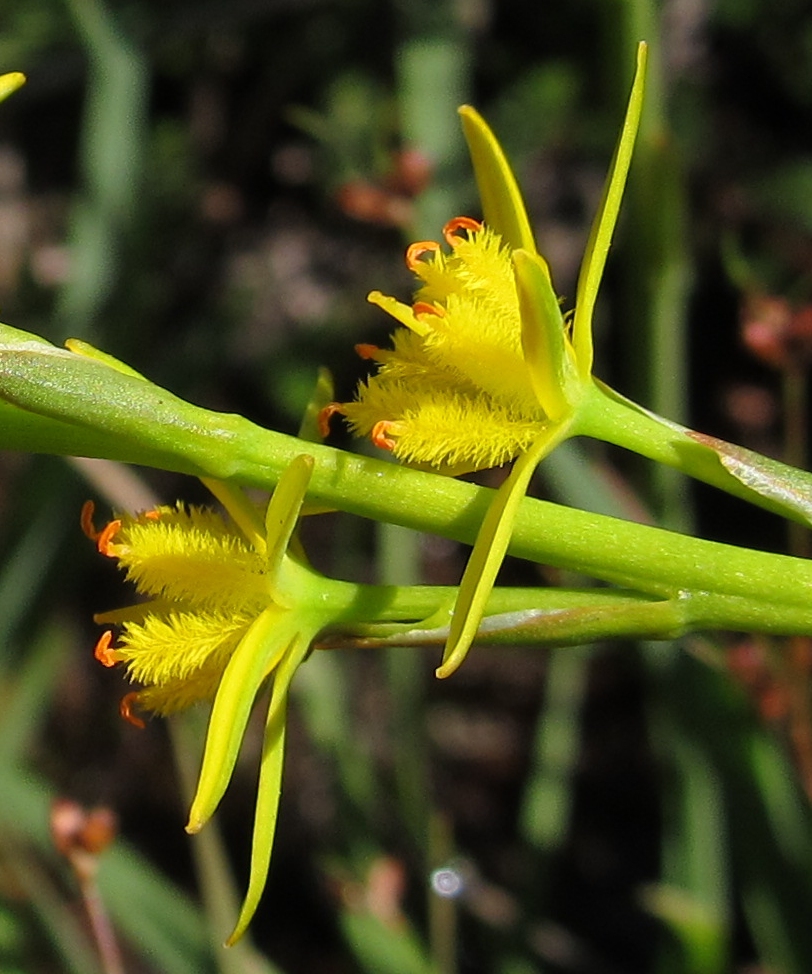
<point>502,203</point>
<point>543,341</point>
<point>603,227</point>
<point>489,552</point>
<point>270,783</point>
<point>260,650</point>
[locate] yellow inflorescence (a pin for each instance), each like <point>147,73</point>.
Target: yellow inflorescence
<point>454,392</point>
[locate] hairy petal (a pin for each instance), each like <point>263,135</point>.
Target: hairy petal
<point>179,657</point>
<point>192,555</point>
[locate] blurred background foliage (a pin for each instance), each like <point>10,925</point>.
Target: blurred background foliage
<point>208,190</point>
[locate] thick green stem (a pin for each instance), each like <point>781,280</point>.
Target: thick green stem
<point>63,403</point>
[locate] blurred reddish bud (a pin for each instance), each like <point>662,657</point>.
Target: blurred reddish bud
<point>373,204</point>
<point>775,332</point>
<point>386,887</point>
<point>67,821</point>
<point>100,830</point>
<point>388,203</point>
<point>77,830</point>
<point>411,174</point>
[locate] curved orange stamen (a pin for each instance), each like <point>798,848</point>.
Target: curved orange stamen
<point>152,515</point>
<point>106,535</point>
<point>367,352</point>
<point>416,250</point>
<point>103,653</point>
<point>459,223</point>
<point>380,437</point>
<point>325,415</point>
<point>424,308</point>
<point>86,521</point>
<point>125,708</point>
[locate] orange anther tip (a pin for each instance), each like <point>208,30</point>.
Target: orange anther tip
<point>86,520</point>
<point>126,710</point>
<point>379,435</point>
<point>103,653</point>
<point>416,250</point>
<point>424,308</point>
<point>366,351</point>
<point>324,417</point>
<point>152,515</point>
<point>106,535</point>
<point>460,223</point>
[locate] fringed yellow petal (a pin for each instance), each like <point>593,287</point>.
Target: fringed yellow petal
<point>270,781</point>
<point>260,650</point>
<point>502,204</point>
<point>444,427</point>
<point>401,383</point>
<point>603,227</point>
<point>478,265</point>
<point>489,551</point>
<point>189,554</point>
<point>171,698</point>
<point>171,647</point>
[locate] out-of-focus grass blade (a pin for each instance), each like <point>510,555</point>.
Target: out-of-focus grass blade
<point>113,139</point>
<point>545,811</point>
<point>693,900</point>
<point>382,949</point>
<point>25,569</point>
<point>158,919</point>
<point>27,694</point>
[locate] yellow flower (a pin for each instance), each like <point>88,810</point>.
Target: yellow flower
<point>487,369</point>
<point>456,389</point>
<point>206,585</point>
<point>230,604</point>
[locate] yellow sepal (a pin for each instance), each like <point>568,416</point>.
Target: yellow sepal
<point>603,227</point>
<point>489,551</point>
<point>502,203</point>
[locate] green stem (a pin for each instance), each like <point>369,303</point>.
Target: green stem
<point>66,403</point>
<point>607,415</point>
<point>558,617</point>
